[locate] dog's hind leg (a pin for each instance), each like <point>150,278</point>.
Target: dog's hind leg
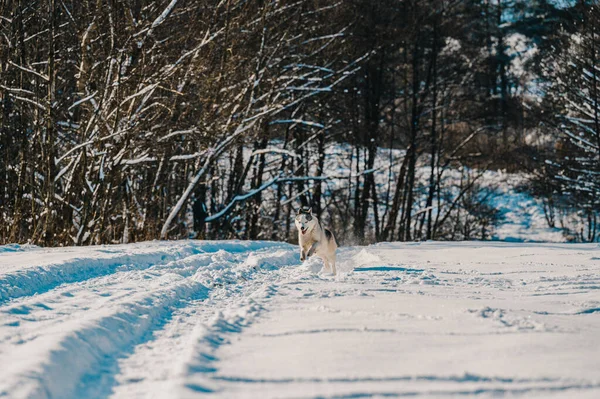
<point>325,264</point>
<point>333,265</point>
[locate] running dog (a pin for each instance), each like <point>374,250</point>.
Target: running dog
<point>314,239</point>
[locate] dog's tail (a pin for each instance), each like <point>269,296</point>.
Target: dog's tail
<point>330,236</point>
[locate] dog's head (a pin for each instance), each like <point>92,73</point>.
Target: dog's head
<point>305,221</point>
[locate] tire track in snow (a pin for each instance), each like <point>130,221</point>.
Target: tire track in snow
<point>40,279</point>
<point>229,308</point>
<point>491,392</point>
<point>73,355</point>
<point>54,363</point>
<point>449,385</point>
<point>200,364</point>
<point>108,260</point>
<point>30,316</point>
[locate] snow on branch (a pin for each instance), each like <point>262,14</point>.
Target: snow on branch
<point>78,102</point>
<point>297,121</point>
<point>178,132</point>
<point>275,151</point>
<point>46,78</point>
<point>27,100</point>
<point>325,37</point>
<point>15,90</point>
<point>161,18</point>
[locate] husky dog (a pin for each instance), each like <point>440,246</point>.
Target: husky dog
<point>314,239</point>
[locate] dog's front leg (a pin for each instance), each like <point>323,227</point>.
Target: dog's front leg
<point>302,255</point>
<point>312,249</point>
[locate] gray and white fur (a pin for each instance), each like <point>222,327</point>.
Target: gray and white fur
<point>315,240</point>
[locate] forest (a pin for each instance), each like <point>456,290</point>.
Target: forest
<point>132,120</point>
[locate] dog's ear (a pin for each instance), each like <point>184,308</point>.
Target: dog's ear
<point>305,209</point>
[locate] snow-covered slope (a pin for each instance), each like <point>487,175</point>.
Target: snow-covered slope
<point>246,319</point>
<point>521,215</point>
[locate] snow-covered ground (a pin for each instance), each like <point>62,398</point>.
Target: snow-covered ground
<point>521,215</point>
<point>245,319</point>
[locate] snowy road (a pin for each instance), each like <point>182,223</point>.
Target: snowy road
<point>244,319</point>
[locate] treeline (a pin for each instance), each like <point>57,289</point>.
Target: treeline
<point>132,120</point>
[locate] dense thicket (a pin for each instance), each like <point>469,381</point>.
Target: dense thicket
<point>569,182</point>
<point>130,120</point>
